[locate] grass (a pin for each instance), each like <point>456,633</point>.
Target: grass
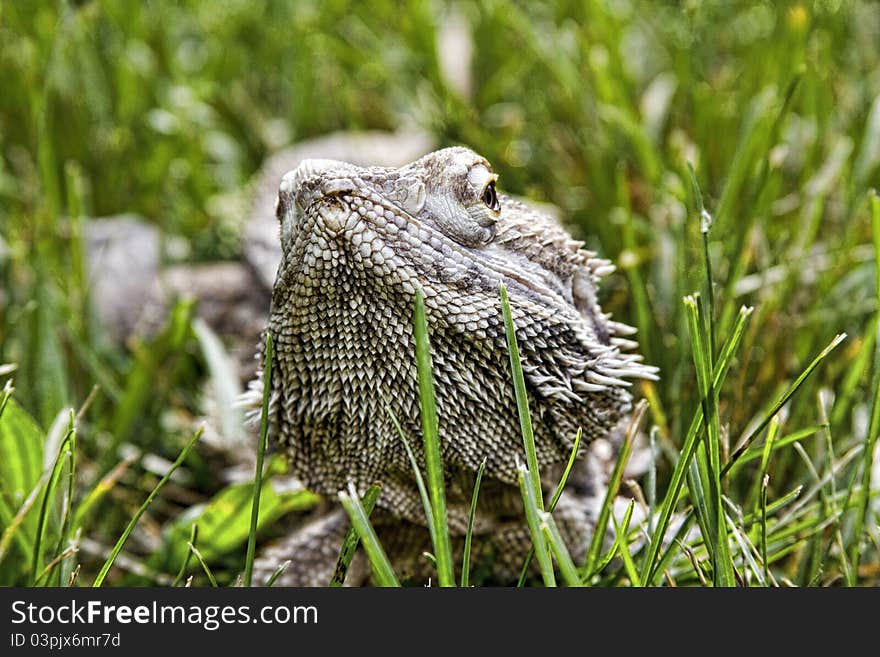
<point>637,121</point>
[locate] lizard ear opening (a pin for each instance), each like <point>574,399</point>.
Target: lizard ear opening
<point>413,198</point>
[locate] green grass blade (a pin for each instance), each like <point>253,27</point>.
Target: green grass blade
<point>592,556</point>
<point>623,545</point>
<point>466,558</point>
<point>758,452</point>
<point>63,453</point>
<point>651,565</point>
<point>522,400</point>
<point>417,473</point>
<point>697,484</point>
<point>773,507</point>
<point>382,570</point>
<point>204,564</point>
<point>554,540</point>
<point>5,395</point>
<point>572,457</point>
<point>13,524</point>
<point>102,574</point>
<point>705,226</point>
<point>666,558</point>
<point>278,572</point>
<point>710,467</point>
<point>782,401</point>
<point>433,458</point>
<point>261,452</point>
<point>747,552</point>
<point>765,482</point>
<point>193,538</point>
<point>352,539</point>
<point>67,514</point>
<point>22,476</point>
<point>527,490</point>
<point>766,451</point>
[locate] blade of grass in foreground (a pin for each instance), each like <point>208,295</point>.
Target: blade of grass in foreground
<point>556,495</point>
<point>592,556</point>
<point>352,539</point>
<point>5,395</point>
<point>433,459</point>
<point>710,465</point>
<point>382,569</point>
<point>522,401</point>
<point>63,454</point>
<point>466,558</point>
<point>651,563</point>
<point>793,388</point>
<point>278,572</point>
<point>193,537</point>
<point>705,226</point>
<point>261,452</point>
<point>420,482</point>
<point>137,516</point>
<point>560,551</point>
<point>67,515</point>
<point>623,545</point>
<point>527,489</point>
<point>553,501</point>
<point>203,563</point>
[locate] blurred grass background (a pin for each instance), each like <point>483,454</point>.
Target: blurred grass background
<point>166,110</point>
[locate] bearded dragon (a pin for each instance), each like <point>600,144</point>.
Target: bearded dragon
<point>357,243</point>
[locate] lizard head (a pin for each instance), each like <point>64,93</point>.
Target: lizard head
<point>358,242</point>
<point>452,191</point>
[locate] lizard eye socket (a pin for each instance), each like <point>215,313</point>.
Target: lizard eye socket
<point>490,197</point>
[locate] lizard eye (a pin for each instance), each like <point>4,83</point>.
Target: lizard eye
<point>490,197</point>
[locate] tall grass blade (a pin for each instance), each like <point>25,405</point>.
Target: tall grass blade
<point>102,574</point>
<point>710,466</point>
<point>278,572</point>
<point>651,565</point>
<point>622,542</point>
<point>352,538</point>
<point>382,570</point>
<point>745,444</point>
<point>599,532</point>
<point>527,490</point>
<point>417,472</point>
<point>557,545</point>
<point>572,457</point>
<point>705,226</point>
<point>261,453</point>
<point>433,458</point>
<point>765,481</point>
<point>468,536</point>
<point>42,518</point>
<point>522,400</point>
<point>193,538</point>
<point>204,564</point>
